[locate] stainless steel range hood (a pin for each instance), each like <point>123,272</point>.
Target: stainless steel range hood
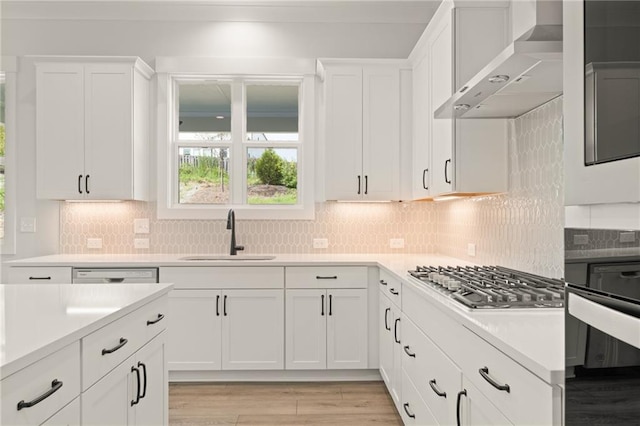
<point>526,74</point>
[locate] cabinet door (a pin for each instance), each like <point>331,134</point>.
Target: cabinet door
<point>195,330</point>
<point>475,408</point>
<point>396,372</point>
<point>68,416</point>
<point>343,137</point>
<point>108,131</point>
<point>385,339</point>
<point>381,133</point>
<point>347,329</point>
<point>152,408</point>
<point>60,131</point>
<point>441,83</point>
<point>108,401</point>
<point>422,112</point>
<point>253,330</point>
<point>306,329</point>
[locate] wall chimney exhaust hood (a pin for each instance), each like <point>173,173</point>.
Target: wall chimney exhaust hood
<point>525,75</point>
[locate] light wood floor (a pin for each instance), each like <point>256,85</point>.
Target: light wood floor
<point>331,403</point>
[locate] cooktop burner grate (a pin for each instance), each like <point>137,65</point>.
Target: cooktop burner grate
<point>493,287</point>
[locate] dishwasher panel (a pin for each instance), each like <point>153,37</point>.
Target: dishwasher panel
<point>114,275</point>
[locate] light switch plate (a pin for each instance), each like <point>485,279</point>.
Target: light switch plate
<point>320,243</point>
<point>471,249</point>
<point>396,243</point>
<point>28,224</point>
<point>581,239</point>
<point>141,243</point>
<point>141,226</point>
<point>627,237</point>
<point>94,243</point>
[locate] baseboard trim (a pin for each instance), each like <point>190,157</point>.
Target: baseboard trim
<point>275,376</point>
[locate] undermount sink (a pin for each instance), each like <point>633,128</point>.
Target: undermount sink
<point>227,257</point>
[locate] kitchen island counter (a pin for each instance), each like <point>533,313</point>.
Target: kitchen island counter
<point>39,319</point>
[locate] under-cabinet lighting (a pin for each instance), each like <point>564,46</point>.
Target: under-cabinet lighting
<point>363,201</point>
<point>94,201</point>
<point>220,117</point>
<point>448,197</point>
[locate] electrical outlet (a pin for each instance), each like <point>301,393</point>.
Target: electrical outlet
<point>320,243</point>
<point>141,243</point>
<point>627,237</point>
<point>396,243</point>
<point>141,226</point>
<point>94,243</point>
<point>28,224</point>
<point>581,239</point>
<point>471,249</point>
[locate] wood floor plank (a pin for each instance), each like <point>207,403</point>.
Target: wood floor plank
<point>322,420</point>
<point>188,420</point>
<point>345,407</point>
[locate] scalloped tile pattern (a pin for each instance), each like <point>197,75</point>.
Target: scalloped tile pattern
<point>349,227</point>
<point>523,229</point>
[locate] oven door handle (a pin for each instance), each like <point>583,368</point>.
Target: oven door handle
<point>589,309</point>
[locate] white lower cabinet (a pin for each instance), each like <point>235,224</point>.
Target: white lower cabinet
<point>253,329</point>
<point>226,330</point>
<point>475,408</point>
<point>134,393</point>
<point>195,332</point>
<point>414,411</point>
<point>68,416</point>
<point>390,347</point>
<point>326,329</point>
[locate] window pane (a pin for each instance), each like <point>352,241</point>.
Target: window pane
<point>204,111</point>
<point>272,113</point>
<point>203,175</point>
<point>2,146</point>
<point>272,176</point>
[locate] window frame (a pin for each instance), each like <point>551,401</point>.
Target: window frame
<point>9,66</point>
<point>169,143</point>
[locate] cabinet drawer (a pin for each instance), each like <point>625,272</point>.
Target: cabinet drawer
<point>37,380</point>
<point>525,389</point>
<point>68,416</point>
<point>39,275</point>
<point>153,318</point>
<point>392,287</point>
<point>436,378</point>
<point>107,347</point>
<point>218,277</point>
<point>413,409</point>
<point>326,277</point>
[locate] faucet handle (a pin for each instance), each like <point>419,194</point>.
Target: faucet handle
<point>239,248</point>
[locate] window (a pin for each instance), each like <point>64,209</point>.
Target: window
<point>237,142</point>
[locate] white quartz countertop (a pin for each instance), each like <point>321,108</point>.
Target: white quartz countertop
<point>39,319</point>
<point>532,337</point>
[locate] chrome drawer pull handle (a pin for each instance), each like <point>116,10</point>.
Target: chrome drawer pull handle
<point>406,410</point>
<point>406,350</point>
<point>157,320</point>
<point>393,291</point>
<point>386,319</point>
<point>484,372</point>
<point>438,392</point>
<point>123,342</point>
<point>55,386</point>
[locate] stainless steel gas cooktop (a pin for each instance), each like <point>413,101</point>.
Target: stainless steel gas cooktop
<point>493,287</point>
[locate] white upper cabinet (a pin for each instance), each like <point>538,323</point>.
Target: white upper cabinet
<point>362,131</point>
<point>92,125</point>
<point>454,156</point>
